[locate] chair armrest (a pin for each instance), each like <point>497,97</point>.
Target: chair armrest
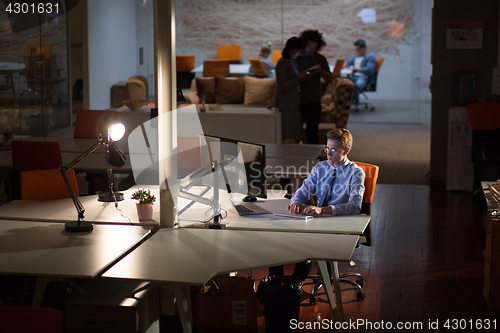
<point>342,92</point>
<point>192,98</point>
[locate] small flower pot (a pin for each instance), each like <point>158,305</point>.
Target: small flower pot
<point>145,212</point>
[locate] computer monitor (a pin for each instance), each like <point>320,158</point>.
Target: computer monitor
<point>254,159</point>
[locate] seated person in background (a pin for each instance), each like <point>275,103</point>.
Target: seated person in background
<point>363,65</point>
<point>338,184</point>
<point>265,51</point>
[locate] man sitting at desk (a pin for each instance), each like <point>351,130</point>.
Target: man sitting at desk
<point>338,184</point>
<point>363,65</point>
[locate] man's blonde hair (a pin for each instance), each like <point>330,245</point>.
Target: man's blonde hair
<point>342,135</point>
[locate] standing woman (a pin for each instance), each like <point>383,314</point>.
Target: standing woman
<point>287,98</point>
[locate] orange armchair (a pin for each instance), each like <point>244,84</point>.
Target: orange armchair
<point>41,185</point>
<point>216,67</point>
<point>276,56</point>
<point>231,52</point>
<point>258,67</point>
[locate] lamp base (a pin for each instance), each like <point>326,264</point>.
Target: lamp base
<point>212,225</point>
<point>76,226</point>
<point>108,197</point>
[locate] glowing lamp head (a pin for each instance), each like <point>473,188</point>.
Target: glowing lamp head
<point>116,132</point>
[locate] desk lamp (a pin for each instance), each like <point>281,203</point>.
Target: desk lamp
<point>113,155</point>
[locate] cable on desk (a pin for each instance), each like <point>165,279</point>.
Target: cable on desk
<point>126,218</point>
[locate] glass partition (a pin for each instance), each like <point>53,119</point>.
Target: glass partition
<point>33,72</point>
<point>398,31</point>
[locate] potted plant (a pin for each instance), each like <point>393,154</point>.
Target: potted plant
<point>144,205</point>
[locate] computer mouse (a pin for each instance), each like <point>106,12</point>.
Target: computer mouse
<point>249,198</point>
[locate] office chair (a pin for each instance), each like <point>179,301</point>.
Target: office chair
<point>31,155</point>
<point>371,175</point>
<point>276,56</point>
<point>216,67</point>
<point>22,319</point>
<point>337,112</point>
<point>35,155</point>
<point>231,52</point>
<point>138,88</point>
<point>258,67</point>
<point>338,66</point>
<point>371,87</point>
<point>49,184</point>
<point>184,64</point>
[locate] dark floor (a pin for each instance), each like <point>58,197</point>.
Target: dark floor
<point>426,264</point>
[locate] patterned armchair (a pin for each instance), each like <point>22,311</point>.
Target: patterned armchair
<point>336,107</point>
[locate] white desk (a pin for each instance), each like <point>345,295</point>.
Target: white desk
<point>45,250</point>
<point>63,210</point>
<point>245,123</point>
<point>97,212</point>
<point>346,72</point>
<point>303,235</point>
<point>198,255</point>
<point>234,69</point>
<point>349,224</point>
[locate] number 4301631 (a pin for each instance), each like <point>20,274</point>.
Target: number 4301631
<point>462,324</point>
<point>32,8</point>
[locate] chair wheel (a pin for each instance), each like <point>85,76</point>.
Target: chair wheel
<point>372,109</point>
<point>360,282</point>
<point>313,300</point>
<point>366,106</point>
<point>360,295</point>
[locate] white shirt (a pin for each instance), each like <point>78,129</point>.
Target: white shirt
<point>357,65</point>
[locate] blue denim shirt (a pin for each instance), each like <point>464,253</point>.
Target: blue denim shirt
<point>368,65</point>
<point>347,190</point>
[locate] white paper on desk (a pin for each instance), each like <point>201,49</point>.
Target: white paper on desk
<point>495,82</point>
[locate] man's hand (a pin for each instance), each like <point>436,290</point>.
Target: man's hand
<point>295,208</point>
<point>317,210</point>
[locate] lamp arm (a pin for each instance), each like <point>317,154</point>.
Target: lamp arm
<point>89,151</point>
<point>76,202</point>
<point>69,166</point>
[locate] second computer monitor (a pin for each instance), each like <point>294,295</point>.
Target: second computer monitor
<point>254,157</point>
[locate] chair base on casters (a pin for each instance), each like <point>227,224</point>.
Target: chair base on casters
<point>367,104</point>
<point>358,284</point>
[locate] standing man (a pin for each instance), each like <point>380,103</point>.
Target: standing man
<point>363,65</point>
<point>317,68</point>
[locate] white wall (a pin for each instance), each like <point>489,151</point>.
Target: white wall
<point>112,51</point>
<point>144,39</point>
<point>407,76</point>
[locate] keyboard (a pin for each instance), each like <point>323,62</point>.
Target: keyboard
<point>242,210</point>
<point>295,216</point>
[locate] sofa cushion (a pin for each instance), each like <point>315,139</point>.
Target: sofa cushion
<point>229,90</point>
<point>206,86</point>
<point>259,91</point>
